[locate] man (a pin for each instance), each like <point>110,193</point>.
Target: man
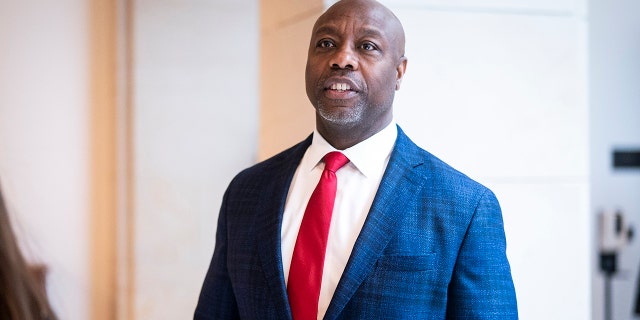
<point>408,236</point>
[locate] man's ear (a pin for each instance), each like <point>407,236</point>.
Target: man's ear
<point>402,67</point>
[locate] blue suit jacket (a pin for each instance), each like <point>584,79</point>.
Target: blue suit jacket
<point>432,246</point>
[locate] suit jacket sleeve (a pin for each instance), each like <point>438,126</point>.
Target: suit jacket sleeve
<point>481,286</point>
<point>216,297</point>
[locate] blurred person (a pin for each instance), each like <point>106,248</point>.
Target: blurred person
<point>22,292</point>
<point>357,221</point>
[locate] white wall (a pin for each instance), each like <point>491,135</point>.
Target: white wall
<point>614,70</point>
<point>195,126</point>
<point>498,89</point>
<point>44,112</point>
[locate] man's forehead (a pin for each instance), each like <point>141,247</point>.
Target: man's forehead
<point>365,21</point>
<point>362,30</point>
<point>354,11</point>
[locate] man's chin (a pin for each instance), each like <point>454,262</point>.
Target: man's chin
<point>339,118</point>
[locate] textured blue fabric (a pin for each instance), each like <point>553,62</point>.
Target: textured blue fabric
<point>432,246</point>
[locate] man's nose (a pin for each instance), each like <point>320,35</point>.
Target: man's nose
<point>344,58</point>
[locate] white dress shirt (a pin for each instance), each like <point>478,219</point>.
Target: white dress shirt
<point>358,182</point>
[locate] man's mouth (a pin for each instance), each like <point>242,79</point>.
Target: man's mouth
<point>341,87</point>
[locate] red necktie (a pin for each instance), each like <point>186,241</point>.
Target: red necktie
<point>305,274</point>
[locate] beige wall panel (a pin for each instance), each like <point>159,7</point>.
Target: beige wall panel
<point>286,113</point>
<point>275,14</point>
<point>103,126</point>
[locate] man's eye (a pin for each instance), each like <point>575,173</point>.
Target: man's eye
<point>368,46</point>
<point>325,44</point>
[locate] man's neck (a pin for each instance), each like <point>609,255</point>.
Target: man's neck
<point>342,137</point>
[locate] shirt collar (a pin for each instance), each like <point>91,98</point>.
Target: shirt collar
<point>369,156</point>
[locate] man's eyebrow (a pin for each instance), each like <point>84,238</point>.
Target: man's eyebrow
<point>372,32</point>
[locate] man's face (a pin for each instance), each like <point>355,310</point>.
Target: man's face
<point>355,64</point>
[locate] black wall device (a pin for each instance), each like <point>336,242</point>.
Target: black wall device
<point>626,158</point>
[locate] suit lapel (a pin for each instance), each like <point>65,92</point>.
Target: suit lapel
<point>269,221</point>
<point>398,185</point>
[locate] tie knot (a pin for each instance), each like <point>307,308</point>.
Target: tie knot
<point>334,160</point>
